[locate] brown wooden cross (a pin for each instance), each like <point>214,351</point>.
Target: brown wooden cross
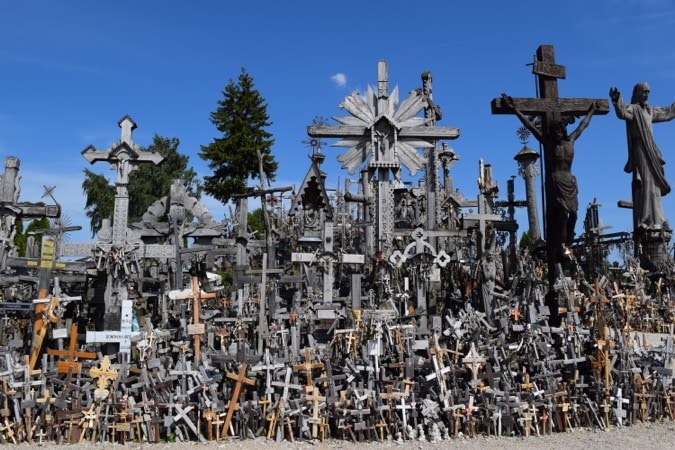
<point>308,366</point>
<point>240,379</point>
<point>71,354</point>
<point>196,329</point>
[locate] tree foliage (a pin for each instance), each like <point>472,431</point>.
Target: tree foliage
<point>256,223</point>
<point>21,238</point>
<point>241,117</point>
<point>147,184</point>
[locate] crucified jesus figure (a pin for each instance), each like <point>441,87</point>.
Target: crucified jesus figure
<point>563,213</point>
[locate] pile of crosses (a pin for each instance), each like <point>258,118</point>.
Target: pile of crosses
<point>374,380</point>
<point>385,311</point>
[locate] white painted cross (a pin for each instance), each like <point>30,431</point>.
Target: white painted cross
<point>123,337</point>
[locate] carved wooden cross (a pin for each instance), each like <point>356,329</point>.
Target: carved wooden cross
<point>308,366</point>
<point>385,135</point>
<point>124,156</point>
<point>473,361</point>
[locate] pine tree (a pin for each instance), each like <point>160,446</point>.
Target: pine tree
<point>241,117</point>
<point>146,184</point>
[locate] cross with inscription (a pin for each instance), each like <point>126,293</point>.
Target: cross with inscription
<point>553,112</point>
<point>123,337</point>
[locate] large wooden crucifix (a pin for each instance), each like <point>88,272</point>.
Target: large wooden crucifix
<point>554,112</point>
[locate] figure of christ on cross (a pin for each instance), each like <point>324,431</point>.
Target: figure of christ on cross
<point>563,184</point>
<point>558,151</point>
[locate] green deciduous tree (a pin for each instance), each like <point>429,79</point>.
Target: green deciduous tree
<point>146,184</point>
<point>241,117</point>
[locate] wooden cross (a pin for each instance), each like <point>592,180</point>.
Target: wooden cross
<point>104,374</point>
<point>619,412</point>
<point>313,396</point>
<point>280,407</point>
<point>308,366</point>
<point>183,414</point>
<point>123,337</point>
<point>240,379</point>
<point>197,296</point>
<point>386,137</point>
<point>403,407</point>
<point>64,366</point>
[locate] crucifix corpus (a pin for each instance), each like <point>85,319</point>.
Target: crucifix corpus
<point>547,117</point>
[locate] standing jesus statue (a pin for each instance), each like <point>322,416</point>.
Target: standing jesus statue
<point>644,157</point>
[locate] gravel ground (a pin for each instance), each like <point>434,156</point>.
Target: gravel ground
<point>646,436</point>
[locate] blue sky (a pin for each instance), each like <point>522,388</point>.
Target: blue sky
<point>71,69</point>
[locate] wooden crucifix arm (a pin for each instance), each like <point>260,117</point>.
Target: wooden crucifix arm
<point>584,123</point>
<point>536,132</point>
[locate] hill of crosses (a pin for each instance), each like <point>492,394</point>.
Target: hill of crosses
<point>386,309</point>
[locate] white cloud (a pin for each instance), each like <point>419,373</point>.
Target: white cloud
<point>340,79</point>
